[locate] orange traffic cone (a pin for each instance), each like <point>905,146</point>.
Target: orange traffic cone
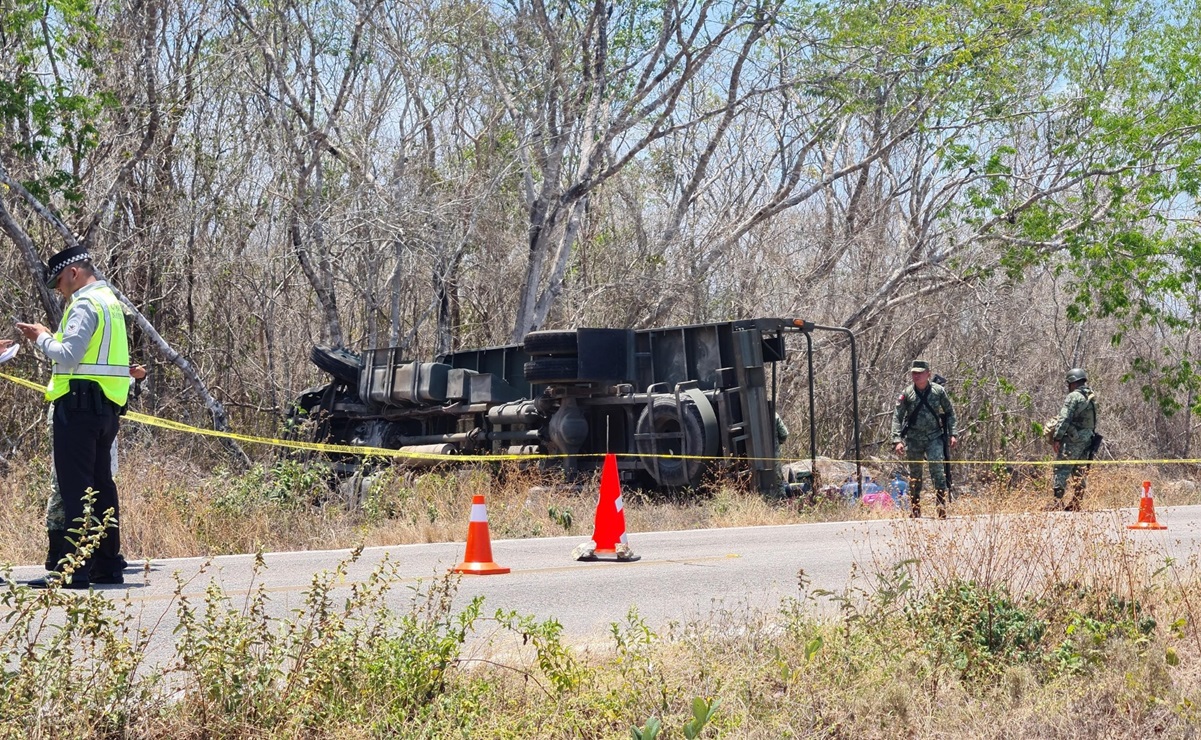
<point>1146,511</point>
<point>609,532</point>
<point>478,558</point>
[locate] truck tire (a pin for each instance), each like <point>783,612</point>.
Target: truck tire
<point>338,362</point>
<point>553,343</point>
<point>663,415</point>
<point>552,370</point>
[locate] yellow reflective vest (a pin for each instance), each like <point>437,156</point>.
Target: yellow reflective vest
<point>106,360</point>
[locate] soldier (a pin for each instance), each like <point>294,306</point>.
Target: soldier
<point>922,421</point>
<point>89,386</point>
<point>781,432</point>
<point>1075,428</point>
<point>781,473</point>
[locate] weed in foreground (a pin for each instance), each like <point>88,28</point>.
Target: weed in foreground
<point>72,659</point>
<point>346,662</point>
<point>979,648</point>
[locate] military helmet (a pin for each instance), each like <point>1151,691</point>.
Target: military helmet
<point>1076,374</point>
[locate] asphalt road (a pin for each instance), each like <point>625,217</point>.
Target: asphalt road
<point>681,576</point>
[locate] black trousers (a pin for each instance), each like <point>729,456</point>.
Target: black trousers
<point>85,425</point>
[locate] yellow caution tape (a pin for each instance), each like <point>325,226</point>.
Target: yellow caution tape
<point>22,382</point>
<point>362,451</point>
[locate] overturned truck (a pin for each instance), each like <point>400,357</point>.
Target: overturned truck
<point>673,403</point>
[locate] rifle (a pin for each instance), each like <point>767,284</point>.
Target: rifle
<point>946,453</point>
<point>946,438</point>
<point>1094,445</point>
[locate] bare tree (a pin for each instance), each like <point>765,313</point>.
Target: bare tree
<point>101,170</point>
<point>586,105</point>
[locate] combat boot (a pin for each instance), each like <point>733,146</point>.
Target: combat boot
<point>1057,504</point>
<point>58,547</point>
<point>1077,498</point>
<point>940,501</point>
<point>915,499</point>
<point>74,582</point>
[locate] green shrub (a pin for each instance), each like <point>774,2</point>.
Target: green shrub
<point>978,630</point>
<point>288,484</point>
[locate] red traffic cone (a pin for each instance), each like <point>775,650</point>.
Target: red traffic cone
<point>609,532</point>
<point>1146,511</point>
<point>478,557</point>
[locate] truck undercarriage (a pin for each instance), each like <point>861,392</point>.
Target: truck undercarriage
<point>673,403</point>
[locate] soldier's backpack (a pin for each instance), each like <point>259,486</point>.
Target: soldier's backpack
<point>1052,425</point>
<point>1049,428</point>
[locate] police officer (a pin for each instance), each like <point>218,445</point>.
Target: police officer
<point>89,387</point>
<point>56,516</point>
<point>1073,439</point>
<point>922,416</point>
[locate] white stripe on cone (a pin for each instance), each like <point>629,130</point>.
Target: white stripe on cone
<point>620,505</point>
<point>479,513</point>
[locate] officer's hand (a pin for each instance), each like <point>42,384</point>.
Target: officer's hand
<point>900,448</point>
<point>954,441</point>
<point>137,372</point>
<point>5,344</point>
<point>1055,446</point>
<point>32,331</point>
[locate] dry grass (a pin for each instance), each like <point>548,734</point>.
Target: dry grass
<point>176,505</point>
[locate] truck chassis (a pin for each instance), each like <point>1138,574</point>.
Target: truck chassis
<point>674,403</point>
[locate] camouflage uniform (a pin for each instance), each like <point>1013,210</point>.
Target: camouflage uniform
<point>56,517</point>
<point>781,473</point>
<point>924,437</point>
<point>781,431</point>
<point>1077,422</point>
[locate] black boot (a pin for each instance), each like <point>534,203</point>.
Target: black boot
<point>58,547</point>
<point>74,582</point>
<point>1057,504</point>
<point>915,499</point>
<point>1077,497</point>
<point>940,501</point>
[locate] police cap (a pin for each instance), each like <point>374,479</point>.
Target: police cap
<point>60,261</point>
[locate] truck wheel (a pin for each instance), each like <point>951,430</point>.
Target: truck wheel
<point>338,362</point>
<point>664,416</point>
<point>552,370</point>
<point>563,343</point>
